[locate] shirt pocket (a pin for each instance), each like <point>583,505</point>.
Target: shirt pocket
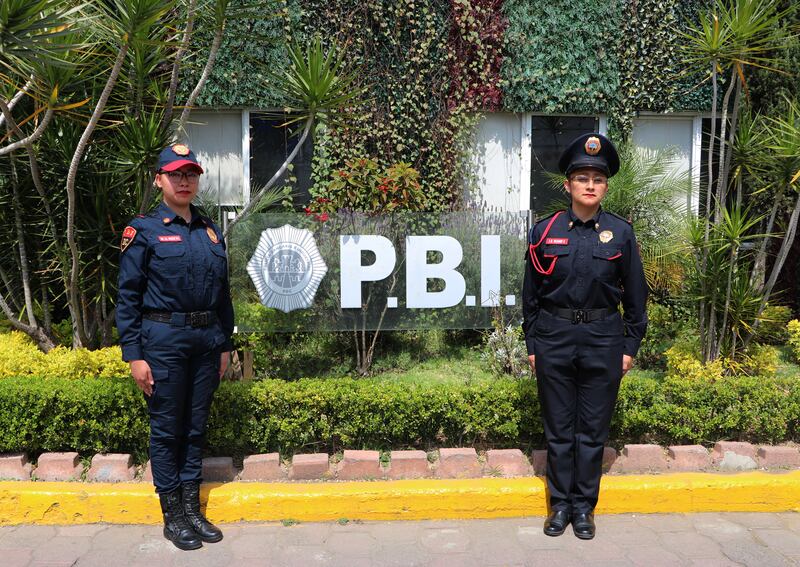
<point>169,259</point>
<point>557,256</point>
<point>607,261</point>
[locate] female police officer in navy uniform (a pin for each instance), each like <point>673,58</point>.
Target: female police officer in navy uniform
<point>175,321</point>
<point>581,264</point>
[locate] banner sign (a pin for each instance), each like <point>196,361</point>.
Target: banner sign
<point>354,271</point>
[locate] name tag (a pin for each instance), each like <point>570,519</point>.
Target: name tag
<point>562,241</point>
<point>170,238</point>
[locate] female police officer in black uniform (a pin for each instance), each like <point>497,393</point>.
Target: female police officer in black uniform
<point>175,320</point>
<point>581,263</point>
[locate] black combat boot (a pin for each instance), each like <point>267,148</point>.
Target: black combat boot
<point>207,531</point>
<point>176,528</point>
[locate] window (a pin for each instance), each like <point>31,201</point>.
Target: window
<point>550,135</point>
<point>270,145</point>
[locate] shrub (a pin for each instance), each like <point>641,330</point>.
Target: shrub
<point>666,324</point>
<point>328,415</point>
<point>757,360</point>
<point>19,357</point>
<point>504,351</point>
<point>772,329</point>
<point>793,330</point>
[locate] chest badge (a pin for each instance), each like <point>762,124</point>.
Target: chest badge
<point>170,238</point>
<point>606,236</point>
<point>212,236</point>
<point>560,241</point>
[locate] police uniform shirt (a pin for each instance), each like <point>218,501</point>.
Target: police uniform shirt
<point>595,264</point>
<point>170,266</point>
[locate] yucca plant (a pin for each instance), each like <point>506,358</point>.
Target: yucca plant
<point>731,37</point>
<point>316,89</point>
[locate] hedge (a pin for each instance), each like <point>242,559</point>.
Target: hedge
<point>109,415</point>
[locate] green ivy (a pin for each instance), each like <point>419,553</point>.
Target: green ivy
<point>561,56</point>
<point>252,44</point>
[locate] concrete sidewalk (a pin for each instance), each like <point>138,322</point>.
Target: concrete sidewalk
<point>710,539</point>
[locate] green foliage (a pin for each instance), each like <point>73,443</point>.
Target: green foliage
<point>757,360</point>
<point>561,55</point>
<point>666,323</point>
<point>253,45</point>
<point>793,328</point>
<point>89,416</point>
<point>503,350</point>
<point>362,185</point>
<point>773,328</point>
<point>329,415</point>
<point>687,410</point>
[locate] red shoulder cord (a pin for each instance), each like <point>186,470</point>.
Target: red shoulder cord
<point>536,264</point>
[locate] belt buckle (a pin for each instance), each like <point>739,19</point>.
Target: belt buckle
<point>198,319</point>
<point>578,316</point>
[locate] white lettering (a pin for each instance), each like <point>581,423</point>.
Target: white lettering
<point>418,272</point>
<point>353,273</point>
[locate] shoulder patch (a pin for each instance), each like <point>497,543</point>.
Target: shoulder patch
<point>127,237</point>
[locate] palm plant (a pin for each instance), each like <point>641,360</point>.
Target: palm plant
<point>316,89</point>
<point>651,193</point>
<point>732,36</point>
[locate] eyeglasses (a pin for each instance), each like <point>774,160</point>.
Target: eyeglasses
<point>177,176</point>
<point>585,179</point>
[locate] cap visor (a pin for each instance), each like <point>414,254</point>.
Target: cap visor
<point>177,164</point>
<point>589,162</point>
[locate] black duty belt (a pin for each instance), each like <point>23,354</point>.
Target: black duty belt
<point>195,318</point>
<point>580,315</point>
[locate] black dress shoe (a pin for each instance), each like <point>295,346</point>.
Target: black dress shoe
<point>583,525</point>
<point>556,523</point>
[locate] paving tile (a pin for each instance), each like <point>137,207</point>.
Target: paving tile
<point>397,532</point>
<point>665,522</point>
<point>719,528</point>
<point>458,560</point>
<point>626,535</point>
<point>445,540</point>
<point>391,554</point>
<point>29,536</point>
<point>120,537</point>
<point>558,557</point>
<point>755,519</point>
<point>653,556</point>
<point>353,544</point>
<point>690,545</point>
<point>753,554</point>
<point>84,530</point>
<point>304,556</point>
<point>304,534</point>
<point>210,555</point>
<point>492,549</point>
<point>708,562</point>
<point>62,548</point>
<point>19,557</point>
<point>249,546</point>
<point>782,541</point>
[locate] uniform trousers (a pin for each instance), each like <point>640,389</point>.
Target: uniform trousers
<point>578,373</point>
<point>185,364</point>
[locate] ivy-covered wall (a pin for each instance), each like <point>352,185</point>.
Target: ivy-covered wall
<point>429,65</point>
<point>561,56</point>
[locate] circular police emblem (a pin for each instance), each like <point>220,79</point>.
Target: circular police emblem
<point>592,146</point>
<point>181,149</point>
<point>287,268</point>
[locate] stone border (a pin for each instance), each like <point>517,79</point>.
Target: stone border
<point>454,463</point>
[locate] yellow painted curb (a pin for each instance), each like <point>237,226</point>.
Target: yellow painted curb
<point>135,503</point>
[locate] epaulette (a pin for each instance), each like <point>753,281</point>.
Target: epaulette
<point>619,217</point>
<point>539,221</point>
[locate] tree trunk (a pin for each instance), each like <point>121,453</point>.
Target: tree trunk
<point>80,338</point>
<point>786,246</point>
<point>212,55</point>
<point>173,81</point>
<point>704,258</point>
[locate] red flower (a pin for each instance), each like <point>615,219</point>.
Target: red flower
<point>308,211</point>
<point>383,188</point>
<point>322,218</point>
<point>342,174</point>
